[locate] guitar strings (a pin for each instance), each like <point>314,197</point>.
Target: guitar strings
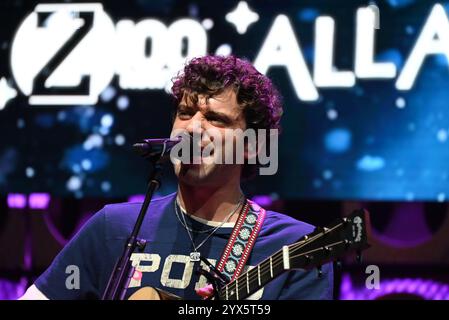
<point>266,265</point>
<point>317,249</point>
<point>276,261</point>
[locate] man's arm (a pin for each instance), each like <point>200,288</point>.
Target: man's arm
<point>75,272</point>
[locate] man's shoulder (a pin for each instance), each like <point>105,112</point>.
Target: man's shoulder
<point>127,210</point>
<point>120,218</point>
<point>280,220</point>
<point>284,226</point>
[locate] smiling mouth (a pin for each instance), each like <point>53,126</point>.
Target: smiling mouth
<point>197,158</point>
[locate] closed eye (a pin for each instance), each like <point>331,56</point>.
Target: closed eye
<point>184,112</point>
<point>218,118</point>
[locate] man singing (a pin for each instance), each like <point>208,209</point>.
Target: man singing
<point>208,216</point>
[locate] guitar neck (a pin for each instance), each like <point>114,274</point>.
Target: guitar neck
<point>251,281</point>
<point>316,248</point>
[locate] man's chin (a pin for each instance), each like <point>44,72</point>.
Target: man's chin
<point>197,174</point>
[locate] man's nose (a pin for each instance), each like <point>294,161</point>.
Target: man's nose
<point>196,124</point>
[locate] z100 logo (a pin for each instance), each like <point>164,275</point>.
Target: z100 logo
<point>69,53</point>
<point>62,54</point>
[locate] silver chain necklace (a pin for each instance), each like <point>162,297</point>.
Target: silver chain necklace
<point>195,255</point>
<point>185,225</point>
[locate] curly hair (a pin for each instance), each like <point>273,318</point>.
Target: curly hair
<point>256,95</point>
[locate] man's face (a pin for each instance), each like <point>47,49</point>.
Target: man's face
<point>218,115</point>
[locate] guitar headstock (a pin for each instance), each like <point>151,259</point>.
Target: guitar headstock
<point>345,235</point>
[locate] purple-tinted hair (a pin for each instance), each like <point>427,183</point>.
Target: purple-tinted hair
<point>256,94</point>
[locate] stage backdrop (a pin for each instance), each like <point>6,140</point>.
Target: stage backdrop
<point>365,92</point>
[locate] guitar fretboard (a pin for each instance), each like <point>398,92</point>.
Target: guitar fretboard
<point>249,282</point>
<point>313,250</point>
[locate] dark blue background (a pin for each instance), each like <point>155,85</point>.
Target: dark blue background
<point>372,150</point>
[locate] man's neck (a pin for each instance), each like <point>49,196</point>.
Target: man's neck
<point>213,204</point>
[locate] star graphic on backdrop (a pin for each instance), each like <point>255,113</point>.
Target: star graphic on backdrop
<point>242,17</point>
<point>6,93</point>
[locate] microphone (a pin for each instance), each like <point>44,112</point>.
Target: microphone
<point>156,148</point>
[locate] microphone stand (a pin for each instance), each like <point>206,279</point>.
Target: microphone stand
<point>123,269</point>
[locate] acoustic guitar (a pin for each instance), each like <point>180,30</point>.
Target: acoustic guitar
<point>323,245</point>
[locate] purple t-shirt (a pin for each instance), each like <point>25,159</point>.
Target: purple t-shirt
<point>165,262</point>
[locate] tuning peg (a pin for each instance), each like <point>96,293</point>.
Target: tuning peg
<point>320,271</point>
<point>358,256</point>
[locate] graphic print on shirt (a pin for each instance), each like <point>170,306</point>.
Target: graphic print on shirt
<point>147,262</point>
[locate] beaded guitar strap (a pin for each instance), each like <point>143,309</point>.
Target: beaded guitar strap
<point>242,240</point>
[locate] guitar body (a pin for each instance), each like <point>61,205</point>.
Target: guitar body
<point>150,293</point>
